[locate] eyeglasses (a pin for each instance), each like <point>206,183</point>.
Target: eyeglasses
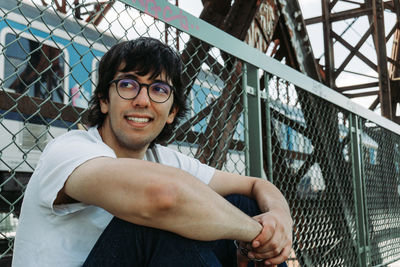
<point>128,89</point>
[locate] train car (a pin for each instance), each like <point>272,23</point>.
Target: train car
<point>48,63</point>
<point>39,60</point>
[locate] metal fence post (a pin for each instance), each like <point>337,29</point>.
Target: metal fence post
<point>246,120</point>
<point>268,129</point>
<point>363,248</point>
<point>253,121</point>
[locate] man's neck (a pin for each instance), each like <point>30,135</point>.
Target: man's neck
<point>120,151</point>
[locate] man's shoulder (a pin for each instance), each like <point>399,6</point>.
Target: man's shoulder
<point>168,152</point>
<point>172,157</point>
<point>77,135</point>
<point>73,139</point>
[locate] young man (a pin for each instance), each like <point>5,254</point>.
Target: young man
<point>144,204</point>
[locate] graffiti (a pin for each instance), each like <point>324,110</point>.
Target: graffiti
<point>167,13</point>
<point>75,92</point>
<point>79,96</point>
<point>262,28</point>
<point>183,19</point>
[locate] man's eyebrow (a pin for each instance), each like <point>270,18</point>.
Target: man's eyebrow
<point>123,75</point>
<point>160,81</point>
<point>126,75</point>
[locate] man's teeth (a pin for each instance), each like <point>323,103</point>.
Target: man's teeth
<point>140,120</point>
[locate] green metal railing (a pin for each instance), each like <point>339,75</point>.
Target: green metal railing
<point>338,164</point>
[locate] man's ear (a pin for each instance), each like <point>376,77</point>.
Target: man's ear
<point>172,114</point>
<point>103,104</point>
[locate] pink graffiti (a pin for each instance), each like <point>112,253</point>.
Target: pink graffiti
<point>155,8</point>
<point>182,19</point>
<point>75,94</point>
<point>168,18</point>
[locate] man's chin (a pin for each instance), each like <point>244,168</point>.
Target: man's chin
<point>135,145</point>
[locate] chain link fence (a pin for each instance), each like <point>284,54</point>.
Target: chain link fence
<point>339,171</point>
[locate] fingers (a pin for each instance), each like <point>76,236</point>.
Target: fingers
<point>259,258</point>
<point>273,243</point>
<point>275,260</point>
<point>280,258</point>
<point>271,249</point>
<point>267,233</point>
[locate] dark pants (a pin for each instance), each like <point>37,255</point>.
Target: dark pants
<point>126,244</point>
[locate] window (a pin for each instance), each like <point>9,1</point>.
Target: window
<point>33,67</point>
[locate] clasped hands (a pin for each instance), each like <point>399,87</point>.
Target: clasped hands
<point>271,246</point>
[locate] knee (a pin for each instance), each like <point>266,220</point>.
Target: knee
<point>244,203</point>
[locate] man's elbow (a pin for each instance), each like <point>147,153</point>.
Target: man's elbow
<point>162,199</point>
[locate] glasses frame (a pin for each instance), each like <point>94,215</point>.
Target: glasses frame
<point>141,85</point>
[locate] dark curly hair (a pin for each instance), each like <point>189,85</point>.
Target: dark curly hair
<point>144,55</point>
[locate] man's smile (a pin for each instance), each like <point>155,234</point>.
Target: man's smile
<point>138,119</point>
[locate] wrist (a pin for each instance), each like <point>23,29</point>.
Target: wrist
<point>249,231</point>
<point>281,211</point>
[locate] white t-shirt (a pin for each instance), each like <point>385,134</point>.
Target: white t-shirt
<point>63,235</point>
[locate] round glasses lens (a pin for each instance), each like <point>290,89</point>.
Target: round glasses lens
<point>159,92</point>
<point>128,88</point>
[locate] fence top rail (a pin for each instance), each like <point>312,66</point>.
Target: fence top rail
<point>180,19</point>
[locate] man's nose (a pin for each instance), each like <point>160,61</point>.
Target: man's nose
<point>142,99</point>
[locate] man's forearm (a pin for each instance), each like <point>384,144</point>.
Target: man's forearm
<point>159,196</point>
<point>200,213</point>
<point>268,197</point>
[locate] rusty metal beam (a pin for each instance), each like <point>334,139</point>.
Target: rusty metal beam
<point>369,93</point>
<point>60,7</point>
<point>240,17</point>
<point>389,95</point>
<point>236,20</point>
<point>395,68</point>
<point>394,62</point>
<point>95,16</point>
<point>298,39</point>
<point>358,53</point>
<point>395,55</point>
<point>328,44</point>
<point>353,50</point>
<point>351,13</point>
<point>348,14</point>
<point>392,31</point>
<point>357,86</point>
<point>77,10</point>
<point>99,17</point>
<point>374,104</point>
<point>99,12</point>
<point>389,5</point>
<point>332,4</point>
<point>380,46</point>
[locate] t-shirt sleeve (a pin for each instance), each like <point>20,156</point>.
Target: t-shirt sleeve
<point>170,157</point>
<point>60,158</point>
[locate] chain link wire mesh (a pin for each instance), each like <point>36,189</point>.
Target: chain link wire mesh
<point>312,166</point>
<point>380,151</point>
<point>49,56</point>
